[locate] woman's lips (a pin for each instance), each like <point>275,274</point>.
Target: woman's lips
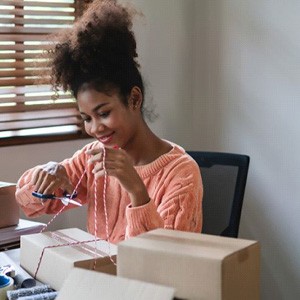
<point>106,139</point>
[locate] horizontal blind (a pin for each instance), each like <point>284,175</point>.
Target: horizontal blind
<point>26,108</point>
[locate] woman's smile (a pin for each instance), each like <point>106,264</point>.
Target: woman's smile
<point>105,139</point>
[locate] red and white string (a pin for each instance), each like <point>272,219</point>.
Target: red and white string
<point>64,206</point>
<point>104,204</point>
<point>95,218</point>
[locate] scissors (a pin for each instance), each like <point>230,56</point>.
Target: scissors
<point>66,199</point>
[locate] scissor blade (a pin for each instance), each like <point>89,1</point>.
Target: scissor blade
<point>73,202</point>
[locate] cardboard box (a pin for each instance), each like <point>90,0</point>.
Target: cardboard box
<point>198,266</point>
<point>56,263</point>
<point>9,209</point>
<point>85,284</point>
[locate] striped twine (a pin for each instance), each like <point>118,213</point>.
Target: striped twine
<point>95,220</point>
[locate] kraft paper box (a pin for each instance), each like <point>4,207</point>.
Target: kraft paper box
<point>9,209</point>
<point>85,284</point>
<point>198,266</point>
<point>56,263</point>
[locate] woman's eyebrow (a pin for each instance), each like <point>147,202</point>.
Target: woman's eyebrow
<point>99,106</point>
<point>95,108</point>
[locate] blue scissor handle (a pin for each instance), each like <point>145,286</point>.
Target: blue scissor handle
<point>52,196</point>
<point>43,196</point>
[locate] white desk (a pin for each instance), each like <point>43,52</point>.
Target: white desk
<point>13,254</point>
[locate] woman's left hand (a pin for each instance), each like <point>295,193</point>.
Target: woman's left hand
<point>117,163</point>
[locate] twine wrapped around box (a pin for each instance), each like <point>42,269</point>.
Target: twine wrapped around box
<point>51,255</point>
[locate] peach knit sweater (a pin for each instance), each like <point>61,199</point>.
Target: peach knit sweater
<point>173,182</point>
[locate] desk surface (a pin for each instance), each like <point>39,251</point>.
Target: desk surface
<point>14,255</point>
<point>10,236</point>
<point>10,256</point>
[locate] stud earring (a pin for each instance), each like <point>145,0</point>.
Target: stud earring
<point>135,105</point>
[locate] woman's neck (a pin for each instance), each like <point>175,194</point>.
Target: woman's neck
<point>147,147</point>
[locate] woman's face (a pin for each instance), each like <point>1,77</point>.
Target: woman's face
<point>106,118</point>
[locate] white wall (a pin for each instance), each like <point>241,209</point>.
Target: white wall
<point>165,37</point>
<point>224,75</point>
<point>16,159</point>
<point>247,95</point>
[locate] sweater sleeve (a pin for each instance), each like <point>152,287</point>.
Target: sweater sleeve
<point>179,207</point>
<point>33,206</point>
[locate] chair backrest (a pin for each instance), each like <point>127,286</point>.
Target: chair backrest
<point>224,177</point>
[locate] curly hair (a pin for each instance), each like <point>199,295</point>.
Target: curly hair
<point>99,51</point>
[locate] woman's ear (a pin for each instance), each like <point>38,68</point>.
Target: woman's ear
<point>135,98</point>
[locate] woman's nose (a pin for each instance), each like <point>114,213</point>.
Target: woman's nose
<point>96,127</point>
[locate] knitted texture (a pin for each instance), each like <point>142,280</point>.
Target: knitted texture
<point>173,182</point>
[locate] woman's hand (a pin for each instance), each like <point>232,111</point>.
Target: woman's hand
<point>49,177</point>
<point>119,164</point>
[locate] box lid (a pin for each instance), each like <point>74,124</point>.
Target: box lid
<point>174,241</point>
<point>86,284</point>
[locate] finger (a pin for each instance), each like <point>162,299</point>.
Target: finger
<point>95,158</point>
<point>69,188</point>
<point>48,180</point>
<point>39,181</point>
<point>122,153</point>
<point>94,151</point>
<point>107,166</point>
<point>98,167</point>
<point>110,172</point>
<point>111,164</point>
<point>99,174</point>
<point>35,176</point>
<point>110,154</point>
<point>51,188</point>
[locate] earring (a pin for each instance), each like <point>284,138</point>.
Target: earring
<point>134,104</point>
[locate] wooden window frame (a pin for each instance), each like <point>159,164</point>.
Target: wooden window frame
<point>17,84</point>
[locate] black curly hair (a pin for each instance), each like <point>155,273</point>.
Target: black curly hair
<point>98,52</point>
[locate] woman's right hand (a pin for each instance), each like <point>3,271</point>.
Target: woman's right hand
<point>49,177</point>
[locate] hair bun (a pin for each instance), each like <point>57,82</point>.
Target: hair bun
<point>105,30</point>
<point>101,44</point>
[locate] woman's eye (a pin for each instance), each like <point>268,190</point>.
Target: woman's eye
<point>85,119</point>
<point>104,114</point>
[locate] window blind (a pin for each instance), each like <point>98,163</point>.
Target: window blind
<point>28,109</point>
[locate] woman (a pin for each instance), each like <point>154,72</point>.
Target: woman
<point>131,180</point>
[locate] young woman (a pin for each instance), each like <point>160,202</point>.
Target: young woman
<point>149,182</point>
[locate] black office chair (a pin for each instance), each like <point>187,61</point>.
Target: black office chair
<point>224,177</point>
